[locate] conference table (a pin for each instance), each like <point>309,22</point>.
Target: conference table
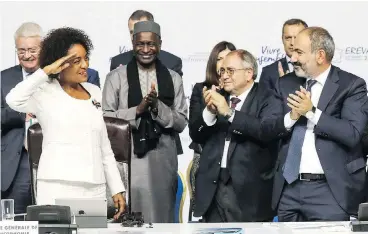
<point>247,228</point>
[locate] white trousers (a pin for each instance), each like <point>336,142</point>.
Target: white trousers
<point>49,190</point>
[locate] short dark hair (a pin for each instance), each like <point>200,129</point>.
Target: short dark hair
<point>212,77</point>
<point>294,22</point>
<point>139,14</point>
<point>321,40</point>
<point>58,41</point>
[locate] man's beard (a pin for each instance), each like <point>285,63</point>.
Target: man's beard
<point>300,70</point>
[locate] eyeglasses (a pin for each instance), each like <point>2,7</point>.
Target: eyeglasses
<point>231,71</point>
<point>32,51</point>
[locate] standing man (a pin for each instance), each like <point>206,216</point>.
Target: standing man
<point>237,130</point>
<point>169,60</point>
<point>321,170</point>
<point>271,73</point>
<point>151,97</point>
<point>15,170</point>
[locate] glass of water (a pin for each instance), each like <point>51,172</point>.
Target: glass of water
<point>7,209</point>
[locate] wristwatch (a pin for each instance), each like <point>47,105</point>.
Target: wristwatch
<point>311,113</point>
<point>154,110</point>
<point>230,113</point>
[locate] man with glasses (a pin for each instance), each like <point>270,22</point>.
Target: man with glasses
<point>234,181</point>
<point>15,170</point>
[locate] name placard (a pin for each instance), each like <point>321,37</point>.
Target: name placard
<point>19,227</point>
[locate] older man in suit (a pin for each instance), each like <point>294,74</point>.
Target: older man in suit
<point>271,73</point>
<point>235,177</point>
<point>15,170</point>
<point>321,170</point>
<point>169,60</point>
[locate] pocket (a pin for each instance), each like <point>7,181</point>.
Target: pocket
<point>355,165</point>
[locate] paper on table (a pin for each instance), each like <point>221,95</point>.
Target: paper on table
<point>306,225</point>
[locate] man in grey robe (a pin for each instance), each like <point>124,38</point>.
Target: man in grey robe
<point>158,96</point>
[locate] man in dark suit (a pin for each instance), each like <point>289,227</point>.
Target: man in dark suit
<point>169,60</point>
<point>234,181</point>
<point>321,173</point>
<point>93,77</point>
<point>271,73</point>
<point>15,170</point>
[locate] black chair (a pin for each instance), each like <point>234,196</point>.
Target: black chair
<point>119,133</point>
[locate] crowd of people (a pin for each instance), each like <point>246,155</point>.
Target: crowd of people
<point>292,145</point>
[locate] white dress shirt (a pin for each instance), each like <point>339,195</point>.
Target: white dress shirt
<point>309,159</point>
<point>75,143</point>
<point>210,119</point>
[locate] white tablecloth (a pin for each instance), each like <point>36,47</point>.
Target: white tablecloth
<point>248,228</point>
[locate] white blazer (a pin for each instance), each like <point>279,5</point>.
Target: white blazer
<point>75,144</point>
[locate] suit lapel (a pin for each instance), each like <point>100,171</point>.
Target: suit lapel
<point>12,80</point>
<point>245,108</point>
<point>329,89</point>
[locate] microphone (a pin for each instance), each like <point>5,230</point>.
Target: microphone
<point>361,225</point>
<point>96,103</point>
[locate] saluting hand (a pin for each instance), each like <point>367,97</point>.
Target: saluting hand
<point>59,65</point>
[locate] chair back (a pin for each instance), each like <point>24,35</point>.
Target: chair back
<point>180,199</point>
<point>119,133</point>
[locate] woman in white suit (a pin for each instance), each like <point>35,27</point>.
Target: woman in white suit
<point>77,160</point>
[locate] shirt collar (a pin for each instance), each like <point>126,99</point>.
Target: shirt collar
<point>25,74</point>
<point>244,95</point>
<point>321,78</point>
<point>288,59</point>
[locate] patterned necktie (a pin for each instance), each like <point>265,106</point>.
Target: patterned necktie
<point>234,101</point>
<point>292,163</point>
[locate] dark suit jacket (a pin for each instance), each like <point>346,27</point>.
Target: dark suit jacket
<point>251,158</point>
<point>93,77</point>
<point>338,135</point>
<point>270,73</point>
<point>169,60</point>
<point>12,128</point>
<point>365,141</point>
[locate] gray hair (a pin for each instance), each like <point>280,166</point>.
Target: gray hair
<point>28,29</point>
<point>249,61</point>
<point>321,40</point>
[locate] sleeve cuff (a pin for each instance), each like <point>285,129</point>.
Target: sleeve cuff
<point>315,118</point>
<point>288,122</point>
<point>232,117</point>
<point>209,118</point>
<point>118,188</point>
